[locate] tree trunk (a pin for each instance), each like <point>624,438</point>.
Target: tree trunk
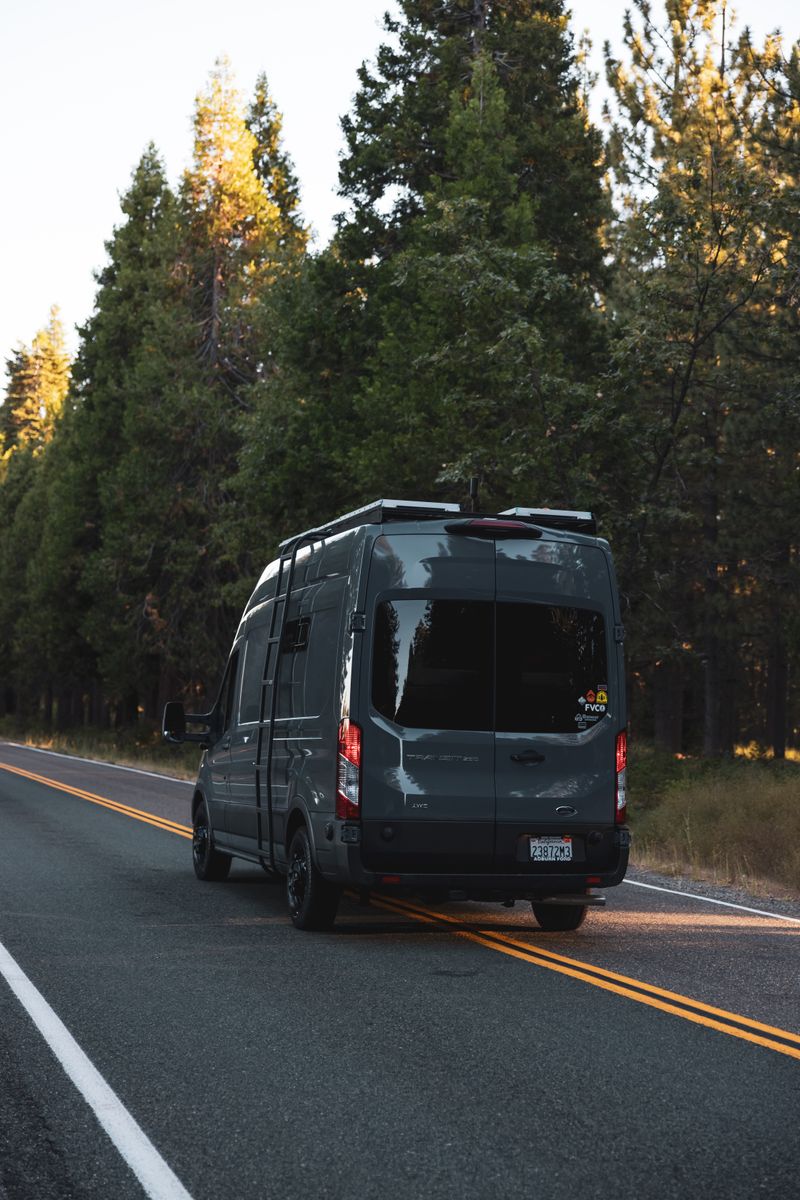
<point>719,701</point>
<point>668,707</point>
<point>777,686</point>
<point>721,682</point>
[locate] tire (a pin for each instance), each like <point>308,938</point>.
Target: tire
<point>312,900</point>
<point>209,864</point>
<point>554,918</point>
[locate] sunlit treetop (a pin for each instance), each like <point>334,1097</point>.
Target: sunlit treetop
<point>38,379</point>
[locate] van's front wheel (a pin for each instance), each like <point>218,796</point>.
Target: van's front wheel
<point>312,900</point>
<point>554,918</point>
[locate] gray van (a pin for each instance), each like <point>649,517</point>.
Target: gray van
<point>428,700</point>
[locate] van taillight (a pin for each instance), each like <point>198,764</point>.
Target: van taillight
<point>348,772</point>
<point>621,808</point>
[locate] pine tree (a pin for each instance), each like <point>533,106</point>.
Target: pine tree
<point>274,168</point>
<point>165,562</point>
<point>696,264</point>
<point>471,375</point>
<point>451,326</point>
<point>73,616</point>
<point>397,135</point>
<point>38,378</point>
<point>240,220</point>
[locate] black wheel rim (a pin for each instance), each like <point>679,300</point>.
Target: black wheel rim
<point>297,881</point>
<point>200,844</point>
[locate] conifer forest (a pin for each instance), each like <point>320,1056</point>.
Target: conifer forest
<point>582,315</point>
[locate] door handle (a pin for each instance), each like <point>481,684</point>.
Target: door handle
<point>528,756</point>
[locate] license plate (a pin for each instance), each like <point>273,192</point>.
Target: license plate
<point>551,849</point>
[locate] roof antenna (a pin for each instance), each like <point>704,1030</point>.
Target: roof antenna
<point>473,493</point>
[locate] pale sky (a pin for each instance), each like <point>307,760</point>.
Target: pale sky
<point>85,85</point>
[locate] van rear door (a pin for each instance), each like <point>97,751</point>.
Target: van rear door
<point>557,708</point>
<point>428,753</point>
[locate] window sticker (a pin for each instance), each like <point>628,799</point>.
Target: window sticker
<point>592,705</point>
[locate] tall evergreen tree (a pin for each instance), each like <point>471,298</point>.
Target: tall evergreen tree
<point>240,220</point>
<point>696,265</point>
<point>453,315</point>
<point>165,562</point>
<point>275,169</point>
<point>77,606</point>
<point>397,135</point>
<point>38,378</point>
<point>472,373</point>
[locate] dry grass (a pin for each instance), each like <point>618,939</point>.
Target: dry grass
<point>147,753</point>
<point>733,823</point>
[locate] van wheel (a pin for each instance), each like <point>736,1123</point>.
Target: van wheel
<point>554,918</point>
<point>312,900</point>
<point>209,864</point>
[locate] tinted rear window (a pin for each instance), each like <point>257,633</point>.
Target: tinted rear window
<point>433,663</point>
<point>442,664</point>
<point>548,656</point>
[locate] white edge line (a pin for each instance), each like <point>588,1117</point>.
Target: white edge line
<point>759,912</point>
<point>133,1144</point>
<point>98,762</point>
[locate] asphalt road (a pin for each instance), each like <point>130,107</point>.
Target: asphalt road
<point>654,1053</point>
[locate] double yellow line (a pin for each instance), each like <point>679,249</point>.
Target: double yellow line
<point>124,809</point>
<point>674,1003</point>
<point>622,985</point>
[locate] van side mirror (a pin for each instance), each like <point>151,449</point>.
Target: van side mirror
<point>173,725</point>
<point>176,718</point>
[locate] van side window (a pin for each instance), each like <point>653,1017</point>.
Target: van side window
<point>227,693</point>
<point>252,674</point>
<point>308,674</point>
<point>295,635</point>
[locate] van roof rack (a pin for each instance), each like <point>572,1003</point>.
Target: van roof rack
<point>376,513</point>
<point>556,518</point>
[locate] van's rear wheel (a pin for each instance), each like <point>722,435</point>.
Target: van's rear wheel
<point>559,918</point>
<point>312,900</point>
<point>209,864</point>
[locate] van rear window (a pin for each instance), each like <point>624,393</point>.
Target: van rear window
<point>548,656</point>
<point>433,663</point>
<point>442,664</point>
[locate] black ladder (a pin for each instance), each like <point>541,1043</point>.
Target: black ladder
<point>277,628</point>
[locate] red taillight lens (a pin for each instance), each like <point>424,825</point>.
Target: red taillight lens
<point>492,524</point>
<point>348,772</point>
<point>621,808</point>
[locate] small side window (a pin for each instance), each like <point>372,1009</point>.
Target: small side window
<point>295,635</point>
<point>227,693</point>
<point>252,674</point>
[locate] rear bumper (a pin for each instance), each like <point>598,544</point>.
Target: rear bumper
<point>532,884</point>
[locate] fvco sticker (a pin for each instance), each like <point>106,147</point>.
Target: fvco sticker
<point>593,704</point>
